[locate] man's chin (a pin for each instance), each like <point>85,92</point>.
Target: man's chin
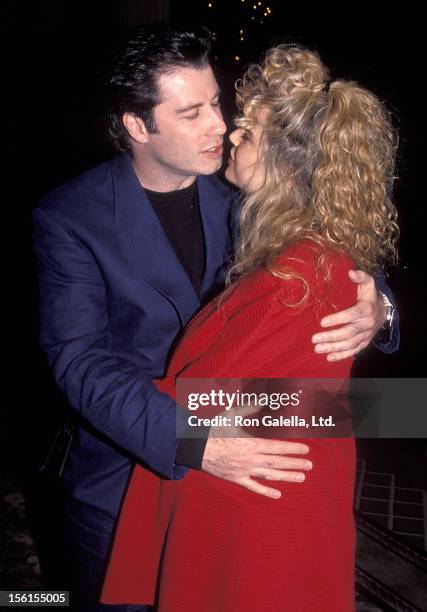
<point>210,168</point>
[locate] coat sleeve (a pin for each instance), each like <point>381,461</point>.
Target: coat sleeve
<point>393,342</point>
<point>109,391</point>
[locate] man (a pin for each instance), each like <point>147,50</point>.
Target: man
<point>126,254</point>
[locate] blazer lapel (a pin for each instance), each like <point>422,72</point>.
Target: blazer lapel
<point>214,211</point>
<point>150,249</point>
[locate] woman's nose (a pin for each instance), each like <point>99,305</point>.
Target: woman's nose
<point>235,137</point>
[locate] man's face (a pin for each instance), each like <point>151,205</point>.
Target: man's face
<point>189,122</point>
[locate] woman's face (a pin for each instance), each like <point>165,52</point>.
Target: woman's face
<point>246,168</point>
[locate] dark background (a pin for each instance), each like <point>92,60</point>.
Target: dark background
<point>52,130</point>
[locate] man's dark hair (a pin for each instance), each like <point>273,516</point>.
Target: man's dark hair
<point>132,84</point>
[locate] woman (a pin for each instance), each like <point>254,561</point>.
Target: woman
<point>314,159</point>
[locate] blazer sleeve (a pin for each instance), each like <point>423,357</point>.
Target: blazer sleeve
<point>109,391</point>
<point>393,342</point>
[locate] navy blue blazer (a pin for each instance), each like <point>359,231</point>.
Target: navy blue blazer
<point>113,298</point>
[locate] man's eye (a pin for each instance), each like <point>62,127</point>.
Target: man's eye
<point>217,103</point>
<point>193,116</point>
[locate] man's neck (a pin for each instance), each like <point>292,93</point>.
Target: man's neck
<point>157,179</point>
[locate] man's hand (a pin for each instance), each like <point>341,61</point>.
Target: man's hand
<point>242,459</point>
<point>359,323</point>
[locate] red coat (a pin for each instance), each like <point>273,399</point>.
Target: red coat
<point>206,544</point>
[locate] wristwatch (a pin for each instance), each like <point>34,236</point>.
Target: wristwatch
<point>383,335</point>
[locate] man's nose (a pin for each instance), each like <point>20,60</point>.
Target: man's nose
<point>218,126</point>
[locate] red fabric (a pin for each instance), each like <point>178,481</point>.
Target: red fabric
<point>207,544</point>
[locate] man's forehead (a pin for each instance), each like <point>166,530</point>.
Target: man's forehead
<point>179,86</point>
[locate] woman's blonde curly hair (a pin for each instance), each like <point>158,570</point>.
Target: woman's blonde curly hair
<point>329,150</point>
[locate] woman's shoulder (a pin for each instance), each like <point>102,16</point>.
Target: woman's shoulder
<point>306,254</point>
<point>313,269</point>
<point>304,271</point>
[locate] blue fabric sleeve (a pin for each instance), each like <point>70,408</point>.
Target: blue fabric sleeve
<point>393,344</point>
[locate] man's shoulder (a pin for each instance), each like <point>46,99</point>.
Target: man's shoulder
<point>93,187</point>
<point>221,189</point>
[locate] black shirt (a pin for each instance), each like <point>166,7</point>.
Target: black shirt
<point>179,214</point>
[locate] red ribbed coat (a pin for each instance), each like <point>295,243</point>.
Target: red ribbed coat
<point>205,544</point>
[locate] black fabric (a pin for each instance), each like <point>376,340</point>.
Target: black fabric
<point>190,451</point>
<point>179,214</point>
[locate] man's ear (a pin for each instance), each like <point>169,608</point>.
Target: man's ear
<point>135,127</point>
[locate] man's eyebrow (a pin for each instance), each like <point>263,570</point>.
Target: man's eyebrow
<point>186,109</point>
